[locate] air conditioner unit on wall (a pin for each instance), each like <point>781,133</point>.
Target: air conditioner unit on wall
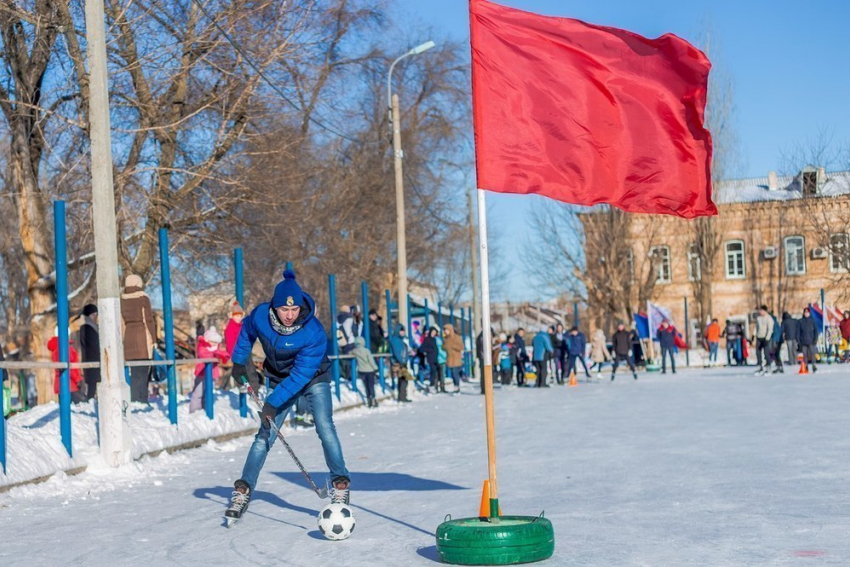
<point>770,252</point>
<point>820,253</point>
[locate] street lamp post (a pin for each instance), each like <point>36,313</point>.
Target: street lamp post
<point>398,155</point>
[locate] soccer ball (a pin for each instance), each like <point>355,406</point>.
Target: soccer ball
<point>336,521</point>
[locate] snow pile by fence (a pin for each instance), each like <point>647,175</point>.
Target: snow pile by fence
<point>35,451</point>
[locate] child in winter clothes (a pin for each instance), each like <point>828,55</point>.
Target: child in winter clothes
<point>74,375</point>
<point>209,346</point>
<point>504,359</point>
<point>366,369</point>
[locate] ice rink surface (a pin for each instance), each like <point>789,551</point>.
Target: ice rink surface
<point>707,467</point>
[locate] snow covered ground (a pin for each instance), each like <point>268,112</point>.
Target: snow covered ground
<point>34,445</point>
<point>713,468</point>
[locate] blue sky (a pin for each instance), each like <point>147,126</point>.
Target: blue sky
<point>789,63</point>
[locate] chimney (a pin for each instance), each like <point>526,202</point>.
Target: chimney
<point>772,183</point>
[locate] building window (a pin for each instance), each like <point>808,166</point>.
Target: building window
<point>810,183</point>
<point>839,253</point>
<point>694,264</point>
<point>661,256</point>
<point>735,260</point>
<point>795,255</point>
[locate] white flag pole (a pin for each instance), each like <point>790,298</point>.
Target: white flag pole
<point>487,341</point>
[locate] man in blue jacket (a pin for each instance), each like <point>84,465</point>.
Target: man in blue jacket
<point>542,350</point>
<point>296,364</point>
<point>576,347</point>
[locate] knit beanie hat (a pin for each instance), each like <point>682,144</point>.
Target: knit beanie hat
<point>212,336</point>
<point>236,309</point>
<point>89,309</point>
<point>288,293</point>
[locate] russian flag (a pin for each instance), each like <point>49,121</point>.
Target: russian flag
<point>642,325</point>
<point>817,315</point>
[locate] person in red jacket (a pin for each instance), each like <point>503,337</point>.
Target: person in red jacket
<point>75,377</point>
<point>231,335</point>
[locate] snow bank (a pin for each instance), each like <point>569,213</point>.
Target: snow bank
<point>34,447</point>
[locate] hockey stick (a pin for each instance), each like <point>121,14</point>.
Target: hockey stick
<point>320,492</point>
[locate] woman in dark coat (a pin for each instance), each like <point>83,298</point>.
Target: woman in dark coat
<point>90,349</point>
<point>431,352</point>
<point>139,334</point>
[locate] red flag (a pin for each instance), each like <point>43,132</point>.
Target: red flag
<point>589,114</point>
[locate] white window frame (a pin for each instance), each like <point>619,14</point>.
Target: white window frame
<point>794,268</point>
<point>839,269</point>
<point>664,257</point>
<point>726,255</point>
<point>694,261</point>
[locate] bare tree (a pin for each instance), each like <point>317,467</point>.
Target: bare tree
<point>707,232</point>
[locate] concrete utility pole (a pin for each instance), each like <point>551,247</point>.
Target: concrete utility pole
<point>113,393</point>
<point>398,154</point>
<point>401,231</point>
<point>476,299</point>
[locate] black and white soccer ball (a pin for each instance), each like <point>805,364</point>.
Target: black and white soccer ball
<point>336,521</point>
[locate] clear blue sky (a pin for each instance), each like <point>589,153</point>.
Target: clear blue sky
<point>789,63</point>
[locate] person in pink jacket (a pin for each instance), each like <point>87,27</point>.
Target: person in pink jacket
<point>209,346</point>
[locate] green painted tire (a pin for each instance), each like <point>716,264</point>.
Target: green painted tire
<point>513,540</point>
<point>653,367</point>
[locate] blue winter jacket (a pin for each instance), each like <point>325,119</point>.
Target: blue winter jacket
<point>541,345</point>
<point>296,357</point>
<point>577,344</point>
<point>399,349</point>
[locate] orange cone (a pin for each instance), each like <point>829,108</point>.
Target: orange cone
<point>573,382</point>
<point>484,508</point>
<point>803,368</point>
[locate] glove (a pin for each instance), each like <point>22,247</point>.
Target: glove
<point>240,373</point>
<point>269,412</point>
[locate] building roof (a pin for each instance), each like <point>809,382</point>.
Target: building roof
<point>788,187</point>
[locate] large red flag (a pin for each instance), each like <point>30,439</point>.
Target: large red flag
<point>589,114</point>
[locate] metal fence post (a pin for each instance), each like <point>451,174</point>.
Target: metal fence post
<point>381,379</point>
<point>354,375</point>
<point>427,315</point>
<point>238,270</point>
<point>3,432</point>
<point>209,403</point>
<point>687,336</point>
<point>168,323</point>
<point>61,256</point>
<point>364,292</point>
<point>452,314</point>
<point>409,318</point>
<point>239,276</point>
<point>334,345</point>
<point>440,315</point>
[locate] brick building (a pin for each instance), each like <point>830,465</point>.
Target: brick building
<point>777,241</point>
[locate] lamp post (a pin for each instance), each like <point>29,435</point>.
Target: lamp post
<point>395,122</point>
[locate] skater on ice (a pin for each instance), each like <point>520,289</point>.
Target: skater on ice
<point>296,364</point>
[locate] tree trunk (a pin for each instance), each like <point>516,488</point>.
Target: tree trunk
<point>35,242</point>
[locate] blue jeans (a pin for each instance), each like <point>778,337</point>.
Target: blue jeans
<point>454,372</point>
<point>712,351</point>
<point>318,396</point>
